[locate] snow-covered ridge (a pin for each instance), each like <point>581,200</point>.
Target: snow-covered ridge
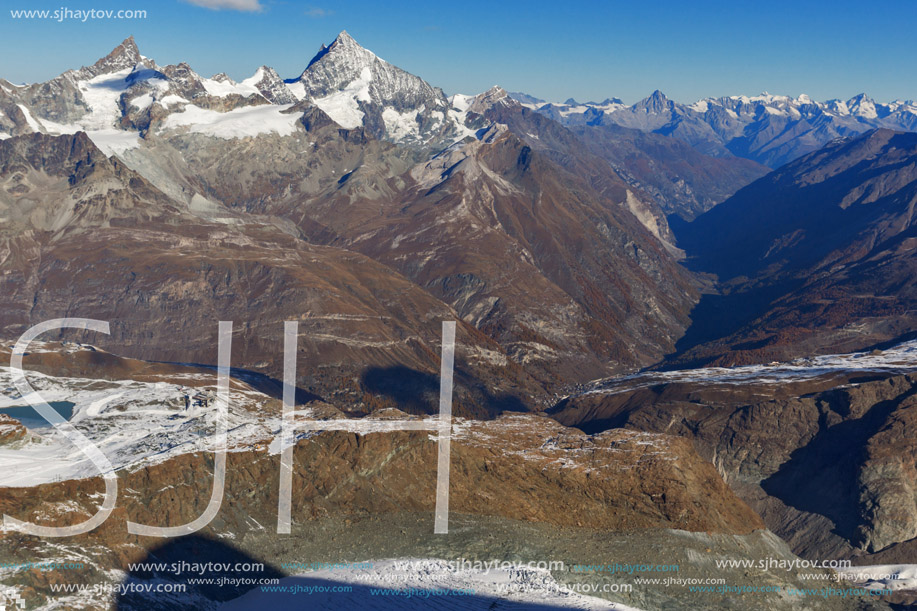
<point>238,123</point>
<point>901,359</point>
<point>860,105</point>
<point>769,129</point>
<point>124,95</point>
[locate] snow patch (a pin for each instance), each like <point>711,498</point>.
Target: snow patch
<point>114,141</point>
<point>401,126</point>
<point>239,123</point>
<point>343,106</point>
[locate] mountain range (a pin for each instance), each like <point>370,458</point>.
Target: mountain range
<point>817,255</point>
<point>686,285</point>
<point>461,208</point>
<point>469,199</point>
<point>769,129</point>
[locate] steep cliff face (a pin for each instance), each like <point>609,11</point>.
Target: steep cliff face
<point>356,88</point>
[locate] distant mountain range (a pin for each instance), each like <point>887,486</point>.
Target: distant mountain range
<point>769,129</point>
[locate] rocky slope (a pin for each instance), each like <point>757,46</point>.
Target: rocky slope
<point>681,179</point>
<point>524,469</point>
<point>86,235</point>
<point>816,257</point>
<point>477,225</point>
<point>820,452</point>
<point>497,207</point>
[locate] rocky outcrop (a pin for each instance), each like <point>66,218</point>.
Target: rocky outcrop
<point>525,468</point>
<point>11,430</point>
<point>886,481</point>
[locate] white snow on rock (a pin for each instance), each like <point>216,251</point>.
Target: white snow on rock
<point>882,576</point>
<point>900,359</point>
<point>29,118</point>
<point>401,126</point>
<point>172,100</point>
<point>114,141</point>
<point>222,87</point>
<point>239,123</point>
<point>421,584</point>
<point>461,102</point>
<point>142,102</point>
<point>133,423</point>
<point>343,106</point>
<point>102,93</point>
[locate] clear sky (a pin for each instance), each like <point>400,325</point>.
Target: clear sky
<point>589,50</point>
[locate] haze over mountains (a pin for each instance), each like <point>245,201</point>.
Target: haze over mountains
<point>769,129</point>
<point>819,253</point>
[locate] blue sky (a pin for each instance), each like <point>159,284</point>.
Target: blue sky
<point>589,50</point>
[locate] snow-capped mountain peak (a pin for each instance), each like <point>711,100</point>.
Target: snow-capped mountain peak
<point>345,40</point>
<point>343,53</point>
<point>125,94</point>
<point>493,96</point>
<point>268,83</point>
<point>737,124</point>
<point>356,88</point>
<point>125,55</point>
<point>656,103</point>
<point>862,106</point>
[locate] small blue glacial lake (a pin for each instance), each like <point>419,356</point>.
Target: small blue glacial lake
<point>32,419</point>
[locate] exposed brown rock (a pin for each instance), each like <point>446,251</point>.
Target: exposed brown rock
<point>829,464</point>
<point>814,258</point>
<point>11,430</point>
<point>520,467</point>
